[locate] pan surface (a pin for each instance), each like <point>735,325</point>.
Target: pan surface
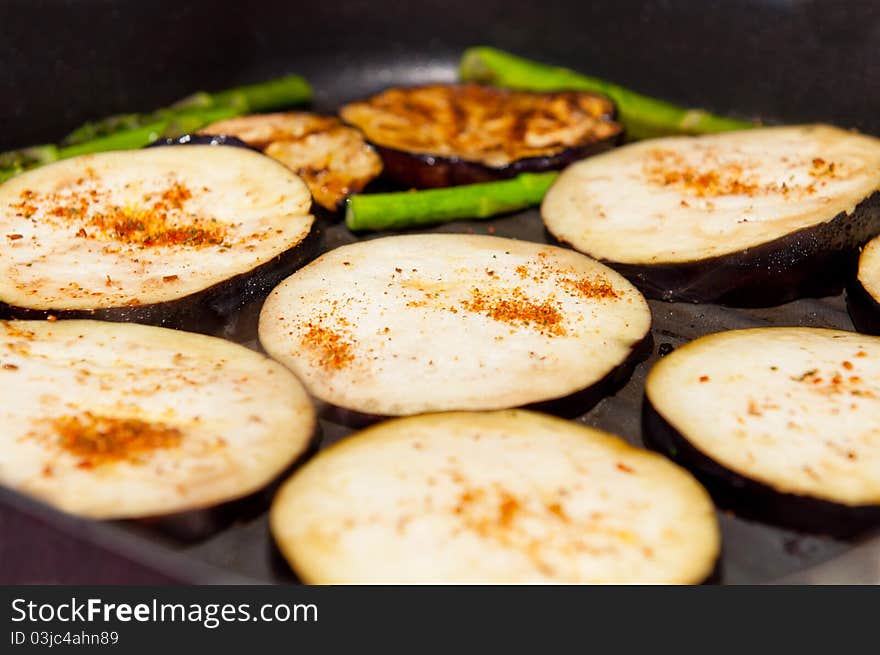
<point>68,61</point>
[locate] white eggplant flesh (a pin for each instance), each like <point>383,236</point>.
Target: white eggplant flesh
<point>788,414</point>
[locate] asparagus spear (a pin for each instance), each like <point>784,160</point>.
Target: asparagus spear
<point>128,131</point>
<point>15,162</point>
<point>642,116</point>
<point>405,209</point>
<point>201,108</point>
<point>280,92</point>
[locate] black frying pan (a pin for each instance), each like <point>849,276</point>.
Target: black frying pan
<point>67,61</point>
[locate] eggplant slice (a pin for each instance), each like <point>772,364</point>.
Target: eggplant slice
<point>863,295</point>
<point>493,497</point>
<point>153,236</point>
<point>332,159</point>
<point>418,323</point>
<point>112,420</point>
<point>444,135</point>
<point>755,217</point>
<point>783,423</point>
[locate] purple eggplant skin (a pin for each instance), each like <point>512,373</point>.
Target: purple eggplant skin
<point>812,262</point>
<point>424,171</point>
<point>751,499</point>
<point>202,140</point>
<point>569,406</point>
<point>864,309</point>
<point>207,311</point>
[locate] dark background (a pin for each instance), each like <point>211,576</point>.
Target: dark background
<point>65,61</point>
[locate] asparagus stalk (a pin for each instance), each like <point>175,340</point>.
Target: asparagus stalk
<point>642,116</point>
<point>104,127</point>
<point>34,155</point>
<point>127,140</point>
<point>406,209</point>
<point>129,131</point>
<point>177,122</point>
<point>201,108</point>
<point>263,96</point>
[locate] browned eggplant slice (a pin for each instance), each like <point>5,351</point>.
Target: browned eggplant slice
<point>443,135</point>
<point>332,159</point>
<point>493,497</point>
<point>755,217</point>
<point>782,424</point>
<point>113,420</point>
<point>863,295</point>
<point>409,324</point>
<point>160,235</point>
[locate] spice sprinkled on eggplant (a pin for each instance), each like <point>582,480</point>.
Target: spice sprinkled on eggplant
<point>111,234</point>
<point>783,422</point>
<point>332,159</point>
<point>444,135</point>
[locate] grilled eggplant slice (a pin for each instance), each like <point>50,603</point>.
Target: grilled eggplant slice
<point>783,423</point>
<point>863,295</point>
<point>418,323</point>
<point>756,217</point>
<point>332,159</point>
<point>493,497</point>
<point>443,135</point>
<point>113,420</point>
<point>159,236</point>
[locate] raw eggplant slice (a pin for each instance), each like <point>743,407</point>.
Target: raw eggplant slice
<point>113,420</point>
<point>863,295</point>
<point>493,497</point>
<point>148,235</point>
<point>754,217</point>
<point>418,323</point>
<point>783,422</point>
<point>443,135</point>
<point>332,159</point>
<point>201,139</point>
